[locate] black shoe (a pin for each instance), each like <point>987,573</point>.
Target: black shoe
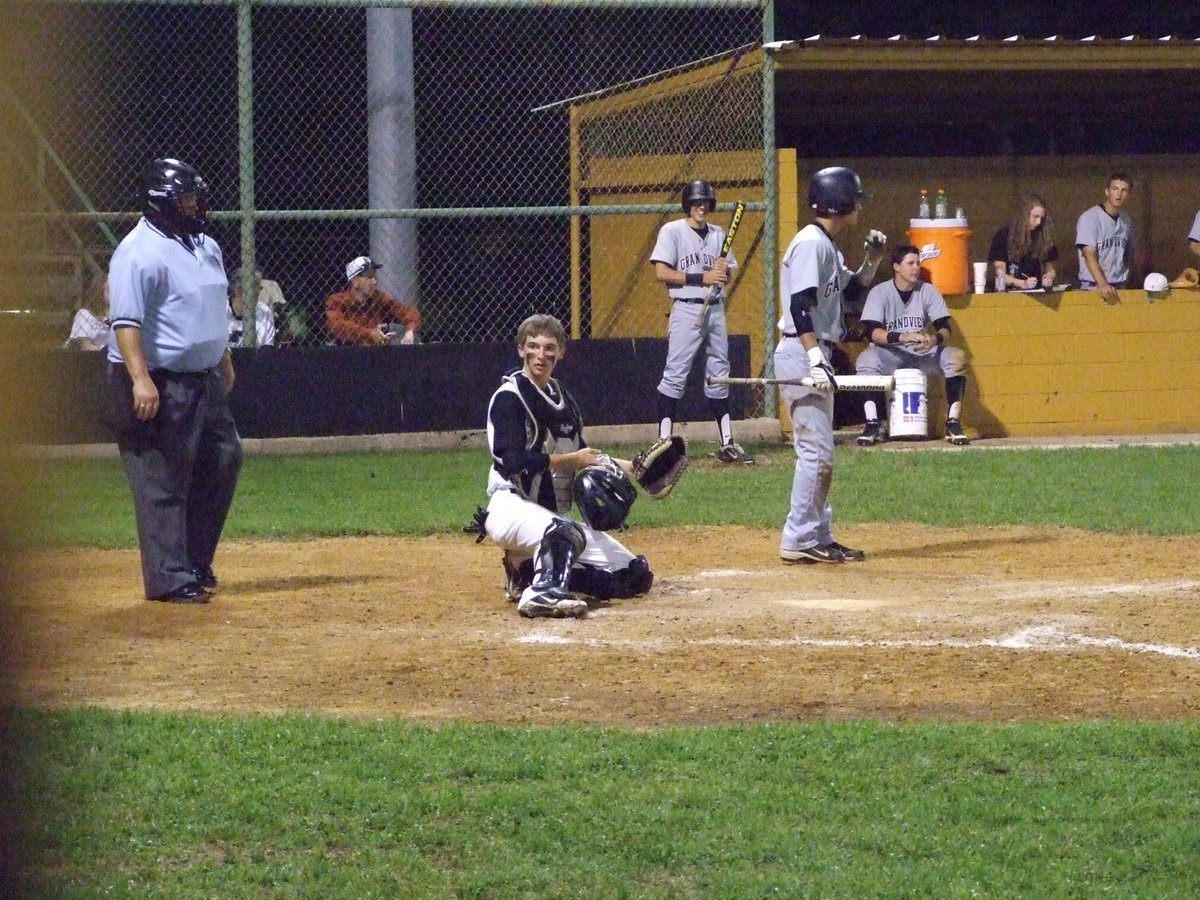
<point>818,554</point>
<point>733,453</point>
<point>205,577</point>
<point>848,553</point>
<point>954,433</point>
<point>872,434</point>
<point>188,593</point>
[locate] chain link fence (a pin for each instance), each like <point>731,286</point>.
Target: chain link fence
<point>497,158</point>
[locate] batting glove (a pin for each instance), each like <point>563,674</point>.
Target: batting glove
<point>821,371</point>
<point>875,242</point>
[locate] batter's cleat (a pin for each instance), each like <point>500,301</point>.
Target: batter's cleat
<point>549,606</point>
<point>954,433</point>
<point>811,555</point>
<point>872,434</point>
<point>188,593</point>
<point>849,554</point>
<point>733,453</point>
<point>206,578</point>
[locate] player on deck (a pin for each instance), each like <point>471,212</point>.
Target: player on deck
<point>535,434</point>
<point>812,279</point>
<point>687,258</point>
<point>907,323</point>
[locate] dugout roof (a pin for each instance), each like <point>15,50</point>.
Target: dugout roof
<point>932,96</point>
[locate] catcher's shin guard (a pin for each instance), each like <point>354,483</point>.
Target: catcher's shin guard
<point>636,578</point>
<point>560,547</point>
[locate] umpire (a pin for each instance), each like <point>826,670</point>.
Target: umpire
<point>168,376</point>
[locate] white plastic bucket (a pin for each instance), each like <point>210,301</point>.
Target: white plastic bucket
<point>908,414</point>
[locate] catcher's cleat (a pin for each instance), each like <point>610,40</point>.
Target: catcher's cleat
<point>733,453</point>
<point>954,433</point>
<point>809,555</point>
<point>516,578</point>
<point>849,554</point>
<point>872,434</point>
<point>546,605</point>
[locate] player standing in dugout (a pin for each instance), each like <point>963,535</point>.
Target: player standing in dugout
<point>687,258</point>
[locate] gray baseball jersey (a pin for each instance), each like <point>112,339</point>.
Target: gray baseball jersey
<point>925,306</point>
<point>812,260</point>
<point>1112,238</point>
<point>682,248</point>
<point>1194,234</point>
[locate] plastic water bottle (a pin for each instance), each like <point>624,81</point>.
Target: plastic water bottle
<point>942,209</point>
<point>923,209</point>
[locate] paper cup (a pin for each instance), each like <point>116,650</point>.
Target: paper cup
<point>980,269</point>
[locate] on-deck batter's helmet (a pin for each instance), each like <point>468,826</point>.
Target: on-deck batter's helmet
<point>164,182</point>
<point>604,495</point>
<point>835,191</point>
<point>695,191</point>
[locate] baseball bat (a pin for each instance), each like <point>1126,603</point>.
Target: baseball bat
<point>734,222</point>
<point>844,382</point>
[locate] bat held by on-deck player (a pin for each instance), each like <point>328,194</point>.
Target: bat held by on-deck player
<point>736,220</point>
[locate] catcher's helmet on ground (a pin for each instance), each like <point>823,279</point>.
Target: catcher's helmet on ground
<point>604,496</point>
<point>697,191</point>
<point>835,191</point>
<point>164,183</point>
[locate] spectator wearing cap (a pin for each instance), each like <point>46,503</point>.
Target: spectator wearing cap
<point>364,316</point>
<point>264,313</point>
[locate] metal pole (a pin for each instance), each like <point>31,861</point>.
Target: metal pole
<point>771,213</point>
<point>245,96</point>
<point>392,149</point>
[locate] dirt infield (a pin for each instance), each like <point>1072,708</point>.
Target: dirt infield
<point>999,624</point>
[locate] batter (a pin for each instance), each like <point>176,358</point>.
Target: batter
<point>812,278</point>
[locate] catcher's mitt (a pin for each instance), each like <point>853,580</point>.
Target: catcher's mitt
<point>1188,278</point>
<point>659,466</point>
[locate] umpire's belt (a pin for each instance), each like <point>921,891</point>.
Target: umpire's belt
<point>689,299</point>
<point>171,373</point>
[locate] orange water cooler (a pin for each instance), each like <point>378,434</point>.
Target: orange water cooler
<point>945,253</point>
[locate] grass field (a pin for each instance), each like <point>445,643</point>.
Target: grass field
<point>124,804</point>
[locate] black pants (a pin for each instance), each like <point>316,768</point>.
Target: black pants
<point>182,467</point>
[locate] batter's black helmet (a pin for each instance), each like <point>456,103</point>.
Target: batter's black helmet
<point>695,191</point>
<point>164,182</point>
<point>835,191</point>
<point>604,496</point>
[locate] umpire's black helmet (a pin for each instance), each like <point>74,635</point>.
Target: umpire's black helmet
<point>835,191</point>
<point>164,182</point>
<point>697,191</point>
<point>604,496</point>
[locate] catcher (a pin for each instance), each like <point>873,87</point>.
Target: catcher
<point>540,463</point>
